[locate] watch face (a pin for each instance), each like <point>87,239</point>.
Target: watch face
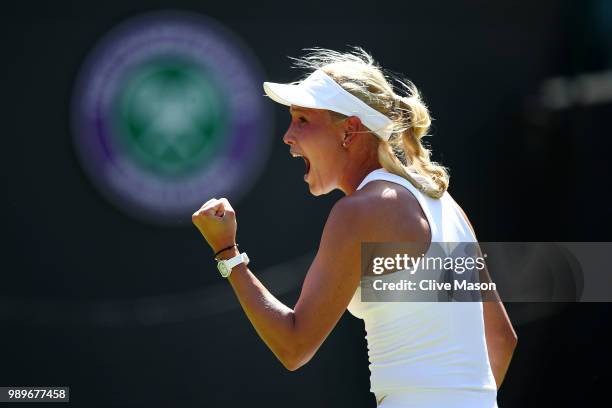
<point>223,269</point>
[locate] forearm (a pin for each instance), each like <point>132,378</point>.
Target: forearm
<point>501,339</point>
<point>273,320</point>
<point>500,361</point>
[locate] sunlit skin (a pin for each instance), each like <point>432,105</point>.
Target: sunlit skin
<point>340,153</point>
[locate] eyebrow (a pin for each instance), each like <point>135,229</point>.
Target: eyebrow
<point>296,109</point>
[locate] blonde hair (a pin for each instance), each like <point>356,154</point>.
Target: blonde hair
<point>404,154</point>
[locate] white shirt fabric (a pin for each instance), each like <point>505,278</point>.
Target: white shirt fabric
<point>428,354</point>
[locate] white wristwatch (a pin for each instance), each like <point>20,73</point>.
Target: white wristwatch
<point>225,266</point>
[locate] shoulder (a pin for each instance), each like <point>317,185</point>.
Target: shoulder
<point>381,211</point>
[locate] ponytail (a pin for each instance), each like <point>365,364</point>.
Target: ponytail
<point>412,122</point>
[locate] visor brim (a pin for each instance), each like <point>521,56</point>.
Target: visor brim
<point>289,94</point>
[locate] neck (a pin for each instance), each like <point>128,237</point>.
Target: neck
<point>353,178</point>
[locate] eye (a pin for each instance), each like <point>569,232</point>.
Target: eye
<point>302,119</point>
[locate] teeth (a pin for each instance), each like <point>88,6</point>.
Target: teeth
<point>296,155</point>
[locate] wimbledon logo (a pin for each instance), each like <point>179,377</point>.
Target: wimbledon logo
<point>167,113</point>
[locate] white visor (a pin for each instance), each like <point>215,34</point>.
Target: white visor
<point>319,91</point>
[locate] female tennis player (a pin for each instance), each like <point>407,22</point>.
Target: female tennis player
<point>360,130</point>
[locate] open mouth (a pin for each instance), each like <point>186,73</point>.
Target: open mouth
<point>306,161</point>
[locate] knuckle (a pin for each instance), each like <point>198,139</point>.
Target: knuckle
<point>209,202</point>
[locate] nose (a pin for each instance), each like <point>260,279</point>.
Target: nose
<point>288,138</point>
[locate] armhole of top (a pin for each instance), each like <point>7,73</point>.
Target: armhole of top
<point>463,215</point>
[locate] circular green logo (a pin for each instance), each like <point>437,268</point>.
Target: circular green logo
<point>167,113</point>
<point>171,117</point>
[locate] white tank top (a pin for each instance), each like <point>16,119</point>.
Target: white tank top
<point>432,353</point>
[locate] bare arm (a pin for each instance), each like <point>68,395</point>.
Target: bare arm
<point>500,335</point>
<point>272,319</point>
<point>501,338</point>
<point>294,335</point>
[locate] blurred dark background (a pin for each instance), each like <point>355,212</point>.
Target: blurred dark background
<point>129,313</point>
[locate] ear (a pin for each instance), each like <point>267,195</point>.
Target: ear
<point>352,126</point>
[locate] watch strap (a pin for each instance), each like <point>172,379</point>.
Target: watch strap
<point>237,260</point>
<point>225,266</point>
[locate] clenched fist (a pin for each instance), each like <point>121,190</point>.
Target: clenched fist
<point>216,220</point>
